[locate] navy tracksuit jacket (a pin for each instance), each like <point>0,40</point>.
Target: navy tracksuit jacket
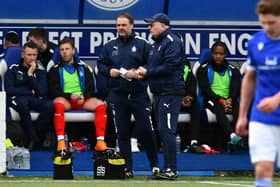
<point>19,86</point>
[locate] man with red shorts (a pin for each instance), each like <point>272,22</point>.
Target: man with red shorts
<point>72,87</point>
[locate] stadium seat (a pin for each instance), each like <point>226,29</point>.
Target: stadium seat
<point>12,56</point>
<point>243,68</point>
<point>184,117</point>
<point>70,116</point>
<point>2,132</point>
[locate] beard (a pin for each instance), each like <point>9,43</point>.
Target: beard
<point>219,66</point>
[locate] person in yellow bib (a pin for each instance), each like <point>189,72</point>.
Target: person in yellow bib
<point>72,87</point>
<point>220,83</point>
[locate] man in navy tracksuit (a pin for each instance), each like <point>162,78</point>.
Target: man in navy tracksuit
<point>165,73</point>
<point>119,59</point>
<point>47,49</point>
<point>27,89</point>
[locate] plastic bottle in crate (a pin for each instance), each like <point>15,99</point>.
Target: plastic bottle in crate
<point>85,141</point>
<point>178,144</point>
<point>18,158</point>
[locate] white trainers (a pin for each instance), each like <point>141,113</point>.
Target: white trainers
<point>155,171</point>
<point>134,145</point>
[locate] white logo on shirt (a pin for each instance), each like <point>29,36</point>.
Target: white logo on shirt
<point>260,46</point>
<point>166,105</point>
<point>133,49</point>
<point>271,61</point>
<point>115,51</point>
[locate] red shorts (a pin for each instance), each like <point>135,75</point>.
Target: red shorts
<point>77,106</point>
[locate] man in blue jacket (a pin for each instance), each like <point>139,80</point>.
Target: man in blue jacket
<point>165,73</point>
<point>11,39</point>
<point>27,89</point>
<point>119,59</point>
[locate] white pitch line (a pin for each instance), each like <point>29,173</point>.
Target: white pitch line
<point>224,183</point>
<point>114,181</point>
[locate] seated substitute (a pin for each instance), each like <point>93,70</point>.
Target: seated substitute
<point>72,87</point>
<point>220,84</point>
<point>190,104</point>
<point>27,89</point>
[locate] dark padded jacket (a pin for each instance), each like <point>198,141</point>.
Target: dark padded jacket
<point>204,74</point>
<point>128,54</point>
<point>18,83</point>
<point>166,63</point>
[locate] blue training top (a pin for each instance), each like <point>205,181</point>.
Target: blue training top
<point>264,58</point>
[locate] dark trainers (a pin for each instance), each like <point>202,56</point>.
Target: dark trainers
<point>64,154</point>
<point>194,148</point>
<point>128,174</point>
<point>168,174</point>
<point>235,144</point>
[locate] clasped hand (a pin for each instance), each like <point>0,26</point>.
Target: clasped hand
<point>78,97</point>
<point>227,104</point>
<point>130,74</point>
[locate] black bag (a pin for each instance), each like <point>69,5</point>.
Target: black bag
<point>63,169</point>
<point>15,132</point>
<point>108,165</point>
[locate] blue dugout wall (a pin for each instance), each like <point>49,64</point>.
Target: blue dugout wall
<point>91,23</point>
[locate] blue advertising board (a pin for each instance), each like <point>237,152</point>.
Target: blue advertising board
<point>90,40</point>
<point>91,23</point>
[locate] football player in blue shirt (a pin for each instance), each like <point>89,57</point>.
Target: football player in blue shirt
<point>261,85</point>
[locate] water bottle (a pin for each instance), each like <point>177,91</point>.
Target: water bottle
<point>18,158</point>
<point>178,144</point>
<point>25,159</point>
<point>85,141</point>
<point>66,140</point>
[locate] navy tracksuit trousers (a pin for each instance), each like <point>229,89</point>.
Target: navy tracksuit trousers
<point>23,105</point>
<point>123,105</point>
<point>167,110</point>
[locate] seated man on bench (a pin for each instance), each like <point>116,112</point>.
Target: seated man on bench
<point>72,87</point>
<point>27,89</point>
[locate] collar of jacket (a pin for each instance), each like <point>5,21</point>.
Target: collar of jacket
<point>75,63</point>
<point>161,35</point>
<point>125,40</point>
